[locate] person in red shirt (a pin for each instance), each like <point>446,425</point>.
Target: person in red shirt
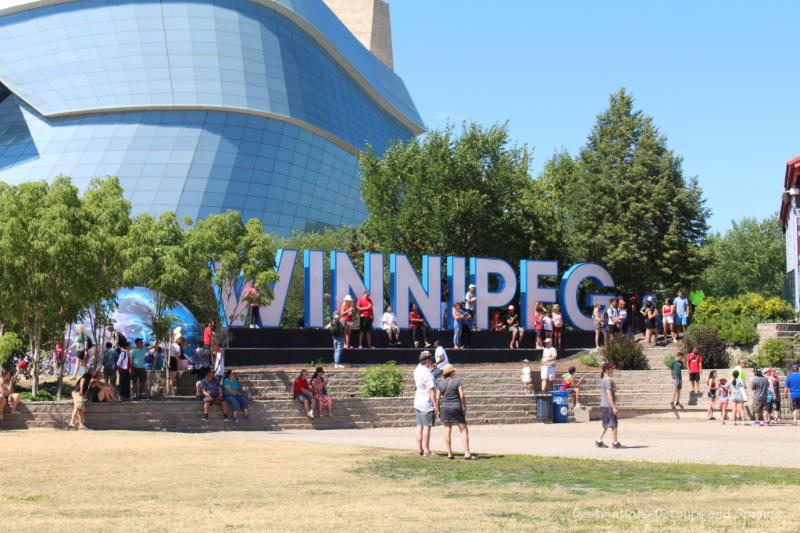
<point>695,362</point>
<point>302,393</point>
<point>208,334</point>
<point>364,306</point>
<point>253,297</point>
<point>418,326</point>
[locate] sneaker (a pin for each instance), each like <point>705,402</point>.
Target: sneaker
<point>756,424</point>
<point>247,417</point>
<point>600,444</point>
<point>578,405</point>
<point>617,445</point>
<point>205,418</point>
<point>672,405</point>
<point>311,414</point>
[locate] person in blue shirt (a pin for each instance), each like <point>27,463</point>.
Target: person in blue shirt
<point>792,391</point>
<point>682,314</point>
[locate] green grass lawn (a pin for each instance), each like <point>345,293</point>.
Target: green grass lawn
<point>576,474</point>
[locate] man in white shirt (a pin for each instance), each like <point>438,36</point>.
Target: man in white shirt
<point>389,323</point>
<point>440,359</point>
<point>425,402</point>
<point>549,356</point>
<point>469,303</point>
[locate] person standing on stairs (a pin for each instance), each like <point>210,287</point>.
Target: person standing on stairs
<point>676,366</point>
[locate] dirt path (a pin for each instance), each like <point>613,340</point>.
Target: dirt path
<point>667,441</point>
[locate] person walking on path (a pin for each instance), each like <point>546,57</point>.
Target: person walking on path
<point>425,406</point>
<point>548,372</point>
<point>695,363</point>
<point>608,406</point>
<point>336,326</point>
<point>452,405</point>
<point>760,387</point>
<point>724,395</point>
<point>712,393</point>
<point>738,396</point>
<point>791,390</point>
<point>676,366</point>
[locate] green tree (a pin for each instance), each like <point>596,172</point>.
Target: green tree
<point>350,239</point>
<point>443,194</point>
<point>748,258</point>
<point>235,248</point>
<point>42,233</point>
<point>627,205</point>
<point>108,214</point>
<point>156,254</point>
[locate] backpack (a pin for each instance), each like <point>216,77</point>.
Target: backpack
<point>337,328</point>
<point>89,343</point>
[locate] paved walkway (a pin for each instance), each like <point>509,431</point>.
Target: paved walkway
<point>644,440</point>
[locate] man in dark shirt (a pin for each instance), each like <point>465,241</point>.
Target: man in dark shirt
<point>760,388</point>
<point>212,395</point>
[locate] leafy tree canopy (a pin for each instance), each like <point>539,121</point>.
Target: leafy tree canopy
<point>624,203</point>
<point>748,258</point>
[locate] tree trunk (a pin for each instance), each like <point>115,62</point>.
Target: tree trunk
<point>60,382</point>
<point>37,343</point>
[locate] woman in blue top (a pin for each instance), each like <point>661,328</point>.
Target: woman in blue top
<point>234,394</point>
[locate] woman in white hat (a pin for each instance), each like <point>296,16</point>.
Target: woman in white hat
<point>347,312</point>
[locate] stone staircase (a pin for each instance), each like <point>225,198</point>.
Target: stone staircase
<point>493,397</point>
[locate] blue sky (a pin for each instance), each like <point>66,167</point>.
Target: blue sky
<point>720,79</point>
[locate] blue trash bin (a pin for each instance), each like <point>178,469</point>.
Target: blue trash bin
<point>560,405</point>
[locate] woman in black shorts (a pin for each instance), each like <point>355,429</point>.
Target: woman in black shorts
<point>453,403</point>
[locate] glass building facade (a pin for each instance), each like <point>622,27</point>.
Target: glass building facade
<point>198,106</point>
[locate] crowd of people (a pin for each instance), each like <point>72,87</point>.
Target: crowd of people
<point>722,391</point>
<point>623,317</point>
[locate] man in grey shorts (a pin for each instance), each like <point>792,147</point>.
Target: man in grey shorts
<point>608,405</point>
<point>425,402</point>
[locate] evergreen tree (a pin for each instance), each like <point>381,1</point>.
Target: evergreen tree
<point>626,204</point>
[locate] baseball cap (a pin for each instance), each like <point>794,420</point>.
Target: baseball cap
<point>471,286</point>
<point>795,367</point>
<point>548,339</point>
<point>621,301</point>
<point>525,361</point>
<point>511,307</point>
<point>425,356</point>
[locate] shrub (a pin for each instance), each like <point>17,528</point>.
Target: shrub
<point>710,345</point>
<point>382,381</point>
<point>625,354</point>
<point>774,352</point>
<point>797,338</point>
<point>735,319</point>
<point>588,359</point>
